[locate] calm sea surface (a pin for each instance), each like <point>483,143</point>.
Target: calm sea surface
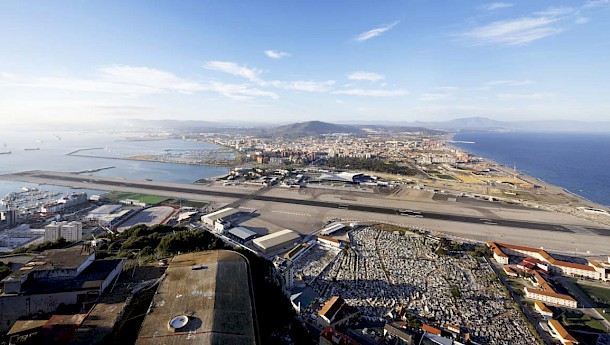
<point>53,148</point>
<point>578,162</point>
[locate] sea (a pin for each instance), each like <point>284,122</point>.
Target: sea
<point>48,151</point>
<point>576,161</point>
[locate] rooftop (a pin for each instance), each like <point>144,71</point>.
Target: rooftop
<point>277,238</point>
<point>551,294</point>
<point>556,325</point>
<point>212,289</point>
<point>53,259</point>
<point>242,233</point>
<point>106,209</point>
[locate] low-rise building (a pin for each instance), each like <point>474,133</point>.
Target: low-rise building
<point>330,336</point>
<point>224,214</point>
<point>545,261</point>
<point>543,310</point>
<point>68,276</point>
<point>510,271</point>
<point>336,312</point>
<point>558,332</point>
<point>551,297</point>
<point>329,241</point>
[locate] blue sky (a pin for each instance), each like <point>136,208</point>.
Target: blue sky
<point>283,61</point>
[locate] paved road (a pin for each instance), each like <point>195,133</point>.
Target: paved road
<point>151,187</point>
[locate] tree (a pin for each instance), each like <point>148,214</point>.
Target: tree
<point>4,271</point>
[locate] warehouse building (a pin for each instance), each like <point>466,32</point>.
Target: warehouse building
<point>103,211</point>
<point>241,234</point>
<point>221,215</point>
<point>276,241</point>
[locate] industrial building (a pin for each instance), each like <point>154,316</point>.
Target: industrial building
<point>276,241</point>
<point>103,211</point>
<point>346,177</point>
<point>72,231</point>
<point>226,214</point>
<point>332,228</point>
<point>55,277</point>
<point>204,298</point>
<point>241,234</point>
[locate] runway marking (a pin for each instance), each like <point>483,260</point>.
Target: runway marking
<point>293,213</point>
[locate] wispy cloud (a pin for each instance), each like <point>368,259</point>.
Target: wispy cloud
<point>304,85</point>
<point>136,80</point>
<point>524,30</point>
<point>365,76</point>
<point>431,97</point>
<point>596,3</point>
<point>581,20</point>
<point>495,6</point>
<point>508,82</point>
<point>513,32</point>
<point>235,69</point>
<point>524,96</point>
<point>274,54</point>
<point>374,32</point>
<point>556,11</point>
<point>372,92</point>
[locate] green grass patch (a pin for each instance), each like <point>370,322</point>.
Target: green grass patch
<point>582,323</point>
<point>147,199</point>
<point>446,177</point>
<point>606,315</point>
<point>600,295</point>
<point>188,203</point>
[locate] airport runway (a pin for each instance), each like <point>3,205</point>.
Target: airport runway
<point>150,187</point>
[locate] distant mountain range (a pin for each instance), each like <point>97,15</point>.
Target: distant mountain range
<point>486,124</point>
<point>313,128</point>
<point>355,127</point>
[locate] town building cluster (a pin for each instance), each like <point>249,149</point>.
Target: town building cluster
<point>399,147</point>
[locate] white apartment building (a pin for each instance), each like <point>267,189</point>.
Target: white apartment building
<point>72,231</point>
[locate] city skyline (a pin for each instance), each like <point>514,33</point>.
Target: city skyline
<point>283,62</point>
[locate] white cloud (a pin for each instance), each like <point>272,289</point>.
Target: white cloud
<point>513,32</point>
<point>509,82</point>
<point>365,76</point>
<point>136,80</point>
<point>581,20</point>
<point>235,69</point>
<point>372,92</point>
<point>495,6</point>
<point>374,32</point>
<point>596,3</point>
<point>556,11</point>
<point>274,54</point>
<point>240,92</point>
<point>524,96</point>
<point>304,85</point>
<point>431,97</point>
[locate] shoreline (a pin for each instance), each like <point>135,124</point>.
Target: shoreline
<point>522,174</point>
<point>566,208</point>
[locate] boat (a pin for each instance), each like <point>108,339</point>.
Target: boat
<point>32,149</point>
<point>5,153</point>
